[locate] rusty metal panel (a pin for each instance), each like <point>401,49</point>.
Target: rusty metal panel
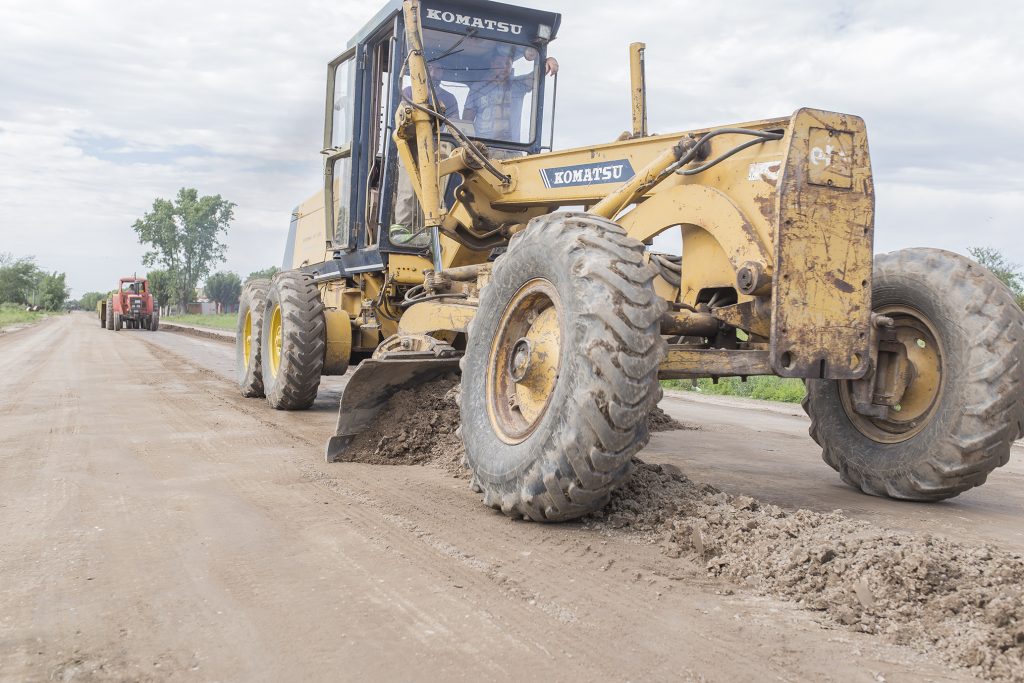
<point>821,296</point>
<point>831,158</point>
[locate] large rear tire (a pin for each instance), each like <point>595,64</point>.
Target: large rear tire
<point>292,341</point>
<point>964,406</point>
<point>110,315</point>
<point>561,368</point>
<point>154,320</point>
<point>247,337</point>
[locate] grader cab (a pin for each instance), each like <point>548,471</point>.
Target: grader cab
<point>532,272</point>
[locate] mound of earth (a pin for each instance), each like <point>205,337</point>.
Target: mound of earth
<point>962,603</point>
<point>416,427</point>
<point>660,421</point>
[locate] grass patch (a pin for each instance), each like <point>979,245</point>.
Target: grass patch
<point>220,321</point>
<point>766,388</point>
<point>13,314</point>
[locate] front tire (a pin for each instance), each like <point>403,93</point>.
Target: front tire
<point>561,368</point>
<point>248,336</point>
<point>964,407</point>
<point>292,340</point>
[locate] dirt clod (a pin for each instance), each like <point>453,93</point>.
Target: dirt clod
<point>962,603</point>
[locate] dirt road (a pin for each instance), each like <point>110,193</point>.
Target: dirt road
<point>158,526</point>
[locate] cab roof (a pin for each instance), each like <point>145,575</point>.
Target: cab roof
<point>494,20</point>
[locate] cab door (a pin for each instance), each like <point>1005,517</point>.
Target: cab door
<point>339,130</point>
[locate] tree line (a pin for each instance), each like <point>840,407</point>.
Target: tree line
<point>23,283</point>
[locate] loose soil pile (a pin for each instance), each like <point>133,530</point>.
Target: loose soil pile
<point>660,421</point>
<point>962,603</point>
<point>417,427</point>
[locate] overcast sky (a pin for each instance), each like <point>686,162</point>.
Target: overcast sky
<point>106,105</point>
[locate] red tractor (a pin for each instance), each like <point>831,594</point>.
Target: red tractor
<point>131,305</point>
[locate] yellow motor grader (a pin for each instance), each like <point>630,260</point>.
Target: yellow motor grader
<point>449,237</point>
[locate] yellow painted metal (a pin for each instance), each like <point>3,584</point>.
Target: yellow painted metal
<point>338,348</point>
<point>429,194</point>
<point>276,340</point>
<point>919,401</point>
<point>247,339</point>
<point>536,386</point>
<point>524,361</point>
<point>638,88</point>
<point>637,186</point>
<point>707,208</point>
<point>408,269</point>
<point>431,317</point>
<point>821,299</point>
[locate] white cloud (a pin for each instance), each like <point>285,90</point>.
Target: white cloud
<point>106,106</point>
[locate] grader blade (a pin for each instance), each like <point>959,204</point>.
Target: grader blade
<point>373,383</point>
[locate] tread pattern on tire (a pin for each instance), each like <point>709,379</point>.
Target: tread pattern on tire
<point>254,296</point>
<point>979,437</point>
<point>302,356</point>
<point>584,459</point>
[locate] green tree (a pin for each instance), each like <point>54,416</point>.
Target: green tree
<point>18,278</point>
<point>224,288</point>
<point>184,236</point>
<point>265,274</point>
<point>53,291</point>
<point>1009,273</point>
<point>90,299</point>
<point>161,286</point>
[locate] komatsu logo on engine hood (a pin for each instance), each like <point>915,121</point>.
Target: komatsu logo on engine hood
<point>616,171</point>
<point>474,22</point>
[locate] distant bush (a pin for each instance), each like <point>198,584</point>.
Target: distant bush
<point>767,388</point>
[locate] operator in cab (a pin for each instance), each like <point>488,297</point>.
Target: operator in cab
<point>492,82</point>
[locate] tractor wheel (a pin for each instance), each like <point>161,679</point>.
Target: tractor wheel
<point>963,336</point>
<point>561,368</point>
<point>118,323</point>
<point>154,320</point>
<point>247,337</point>
<point>110,315</point>
<point>292,341</point>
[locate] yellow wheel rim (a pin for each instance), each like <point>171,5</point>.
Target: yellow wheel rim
<point>920,401</point>
<point>524,361</point>
<point>276,342</point>
<point>247,338</point>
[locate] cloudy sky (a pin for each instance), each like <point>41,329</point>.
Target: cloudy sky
<point>106,105</point>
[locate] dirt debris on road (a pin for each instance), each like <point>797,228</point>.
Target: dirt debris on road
<point>418,427</point>
<point>962,603</point>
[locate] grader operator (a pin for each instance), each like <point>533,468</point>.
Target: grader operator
<point>562,322</point>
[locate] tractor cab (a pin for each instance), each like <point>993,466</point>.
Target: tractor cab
<point>486,62</point>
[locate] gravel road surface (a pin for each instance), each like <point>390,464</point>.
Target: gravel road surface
<point>157,526</point>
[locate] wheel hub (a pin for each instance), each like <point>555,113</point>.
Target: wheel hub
<point>524,361</point>
<point>276,340</point>
<point>907,382</point>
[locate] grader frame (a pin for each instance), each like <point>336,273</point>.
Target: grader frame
<point>776,219</point>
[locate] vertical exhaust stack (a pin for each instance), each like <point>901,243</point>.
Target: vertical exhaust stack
<point>638,88</point>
